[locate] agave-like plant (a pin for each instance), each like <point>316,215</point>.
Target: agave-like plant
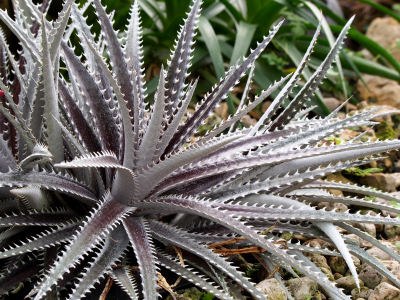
<point>93,183</point>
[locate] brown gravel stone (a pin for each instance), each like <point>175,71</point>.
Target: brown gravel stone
<point>385,291</point>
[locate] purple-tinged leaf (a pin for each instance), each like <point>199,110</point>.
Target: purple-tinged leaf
<point>170,235</point>
<point>317,133</point>
<point>127,136</point>
<point>7,158</point>
<point>124,182</point>
<point>14,116</point>
<point>51,113</point>
<point>79,98</point>
<point>347,201</point>
<point>83,30</point>
<point>119,65</point>
<point>248,143</point>
<point>205,169</point>
<point>140,237</point>
<point>22,35</point>
<point>175,236</point>
<point>303,164</point>
<point>8,205</point>
<point>150,141</point>
<point>103,117</point>
<point>4,78</point>
<point>101,220</point>
<point>44,218</point>
<point>123,277</point>
<point>264,212</point>
<point>150,178</point>
<point>6,58</point>
<point>17,274</point>
<point>41,241</point>
<point>175,119</point>
<point>352,188</point>
<point>191,276</point>
<point>57,32</point>
<point>49,181</point>
<point>177,70</point>
<point>202,185</point>
<point>79,22</point>
<point>110,251</point>
<point>134,54</point>
<point>282,184</point>
<point>259,225</point>
<point>88,136</point>
<point>233,211</point>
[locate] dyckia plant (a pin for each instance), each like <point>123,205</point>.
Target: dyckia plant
<point>95,183</point>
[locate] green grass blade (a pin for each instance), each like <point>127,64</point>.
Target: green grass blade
<point>244,36</point>
<point>267,15</point>
<point>371,46</point>
<point>355,69</point>
<point>211,41</point>
<point>329,13</point>
<point>381,8</point>
<point>363,65</point>
<point>150,7</point>
<point>262,80</point>
<point>226,49</point>
<point>253,6</point>
<point>235,13</point>
<point>212,10</point>
<point>176,8</point>
<point>301,12</point>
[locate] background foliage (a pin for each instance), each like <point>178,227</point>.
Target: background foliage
<point>230,28</point>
